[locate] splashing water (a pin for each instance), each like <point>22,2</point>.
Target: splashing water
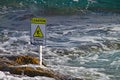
<point>84,45</point>
<point>89,2</point>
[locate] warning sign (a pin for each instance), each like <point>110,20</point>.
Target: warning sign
<point>38,32</point>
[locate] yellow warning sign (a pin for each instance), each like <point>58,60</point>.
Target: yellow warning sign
<point>38,20</point>
<point>38,32</point>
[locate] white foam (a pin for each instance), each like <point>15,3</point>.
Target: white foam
<point>116,28</point>
<point>81,72</point>
<point>86,38</point>
<point>115,62</point>
<point>10,77</point>
<point>76,0</point>
<point>25,38</point>
<point>2,75</point>
<point>95,57</point>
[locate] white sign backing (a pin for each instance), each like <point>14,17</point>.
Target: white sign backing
<point>38,32</point>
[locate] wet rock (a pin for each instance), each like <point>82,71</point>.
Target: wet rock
<point>12,64</point>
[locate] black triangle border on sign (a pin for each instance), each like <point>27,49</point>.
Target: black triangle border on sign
<point>40,31</point>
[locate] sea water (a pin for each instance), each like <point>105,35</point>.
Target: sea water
<point>85,45</point>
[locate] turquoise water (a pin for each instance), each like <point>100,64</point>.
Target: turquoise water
<point>63,6</point>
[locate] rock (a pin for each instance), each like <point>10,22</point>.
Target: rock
<point>12,64</point>
<point>22,60</point>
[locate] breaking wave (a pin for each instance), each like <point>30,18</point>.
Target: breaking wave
<point>61,7</point>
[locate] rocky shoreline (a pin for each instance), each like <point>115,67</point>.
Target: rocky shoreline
<point>13,64</point>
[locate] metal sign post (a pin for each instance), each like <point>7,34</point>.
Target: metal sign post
<point>40,55</point>
<point>38,34</point>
